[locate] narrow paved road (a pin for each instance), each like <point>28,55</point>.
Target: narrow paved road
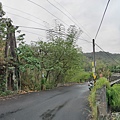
<point>63,103</point>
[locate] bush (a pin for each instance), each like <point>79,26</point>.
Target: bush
<point>81,76</point>
<point>101,82</point>
<point>49,85</point>
<point>114,97</point>
<point>8,92</point>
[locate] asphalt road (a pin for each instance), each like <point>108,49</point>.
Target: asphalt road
<point>63,103</point>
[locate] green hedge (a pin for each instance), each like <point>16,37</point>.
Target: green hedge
<point>113,94</point>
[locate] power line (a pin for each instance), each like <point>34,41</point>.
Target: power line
<point>85,40</point>
<point>96,37</point>
<point>25,18</point>
<point>47,11</point>
<point>67,35</point>
<point>97,30</point>
<point>63,8</point>
<point>62,12</point>
<point>50,30</point>
<point>25,13</point>
<point>107,53</point>
<point>102,19</point>
<point>33,33</point>
<point>67,15</point>
<point>37,17</point>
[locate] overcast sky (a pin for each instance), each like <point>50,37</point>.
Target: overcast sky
<point>87,14</point>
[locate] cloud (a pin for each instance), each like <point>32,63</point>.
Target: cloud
<point>87,12</point>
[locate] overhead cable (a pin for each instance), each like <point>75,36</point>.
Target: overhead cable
<point>74,19</point>
<point>62,12</point>
<point>24,12</point>
<point>47,11</point>
<point>107,54</point>
<point>50,30</point>
<point>25,18</point>
<point>33,33</point>
<point>102,19</point>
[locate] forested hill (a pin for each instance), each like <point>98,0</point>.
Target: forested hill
<point>105,57</point>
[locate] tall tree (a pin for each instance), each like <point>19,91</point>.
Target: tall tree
<point>7,36</point>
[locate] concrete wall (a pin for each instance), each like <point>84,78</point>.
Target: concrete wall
<point>101,101</point>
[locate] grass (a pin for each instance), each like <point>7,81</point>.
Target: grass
<point>113,94</point>
<point>6,93</point>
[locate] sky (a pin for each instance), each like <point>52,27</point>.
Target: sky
<point>85,14</point>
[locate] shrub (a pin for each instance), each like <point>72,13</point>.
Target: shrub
<point>8,92</point>
<point>81,76</point>
<point>114,97</point>
<point>49,85</point>
<point>101,82</point>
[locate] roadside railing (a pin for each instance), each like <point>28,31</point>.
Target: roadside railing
<point>114,82</point>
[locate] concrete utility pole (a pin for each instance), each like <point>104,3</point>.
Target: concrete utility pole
<point>94,62</point>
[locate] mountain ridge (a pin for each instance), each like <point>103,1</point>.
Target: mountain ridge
<point>104,56</point>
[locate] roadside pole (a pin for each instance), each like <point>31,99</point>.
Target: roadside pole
<point>94,62</point>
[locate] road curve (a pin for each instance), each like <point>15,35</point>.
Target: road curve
<point>63,103</point>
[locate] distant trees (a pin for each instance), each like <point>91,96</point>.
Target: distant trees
<point>105,65</point>
<point>115,69</point>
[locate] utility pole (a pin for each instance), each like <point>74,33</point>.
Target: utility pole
<point>94,62</point>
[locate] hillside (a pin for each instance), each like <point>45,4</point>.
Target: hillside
<point>107,57</point>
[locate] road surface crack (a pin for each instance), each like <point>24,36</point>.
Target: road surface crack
<point>8,113</point>
<point>50,114</point>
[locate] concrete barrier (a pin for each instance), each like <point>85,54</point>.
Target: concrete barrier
<point>115,82</point>
<point>101,102</point>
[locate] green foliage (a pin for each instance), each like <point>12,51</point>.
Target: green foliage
<point>115,69</point>
<point>2,13</point>
<point>105,59</point>
<point>27,58</point>
<point>29,66</point>
<point>105,65</point>
<point>58,60</point>
<point>6,93</point>
<point>78,76</point>
<point>113,93</point>
<point>85,76</point>
<point>114,97</point>
<point>2,83</point>
<point>101,82</point>
<point>49,85</point>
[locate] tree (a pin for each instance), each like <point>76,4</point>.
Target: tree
<point>29,67</point>
<point>9,57</point>
<point>58,56</point>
